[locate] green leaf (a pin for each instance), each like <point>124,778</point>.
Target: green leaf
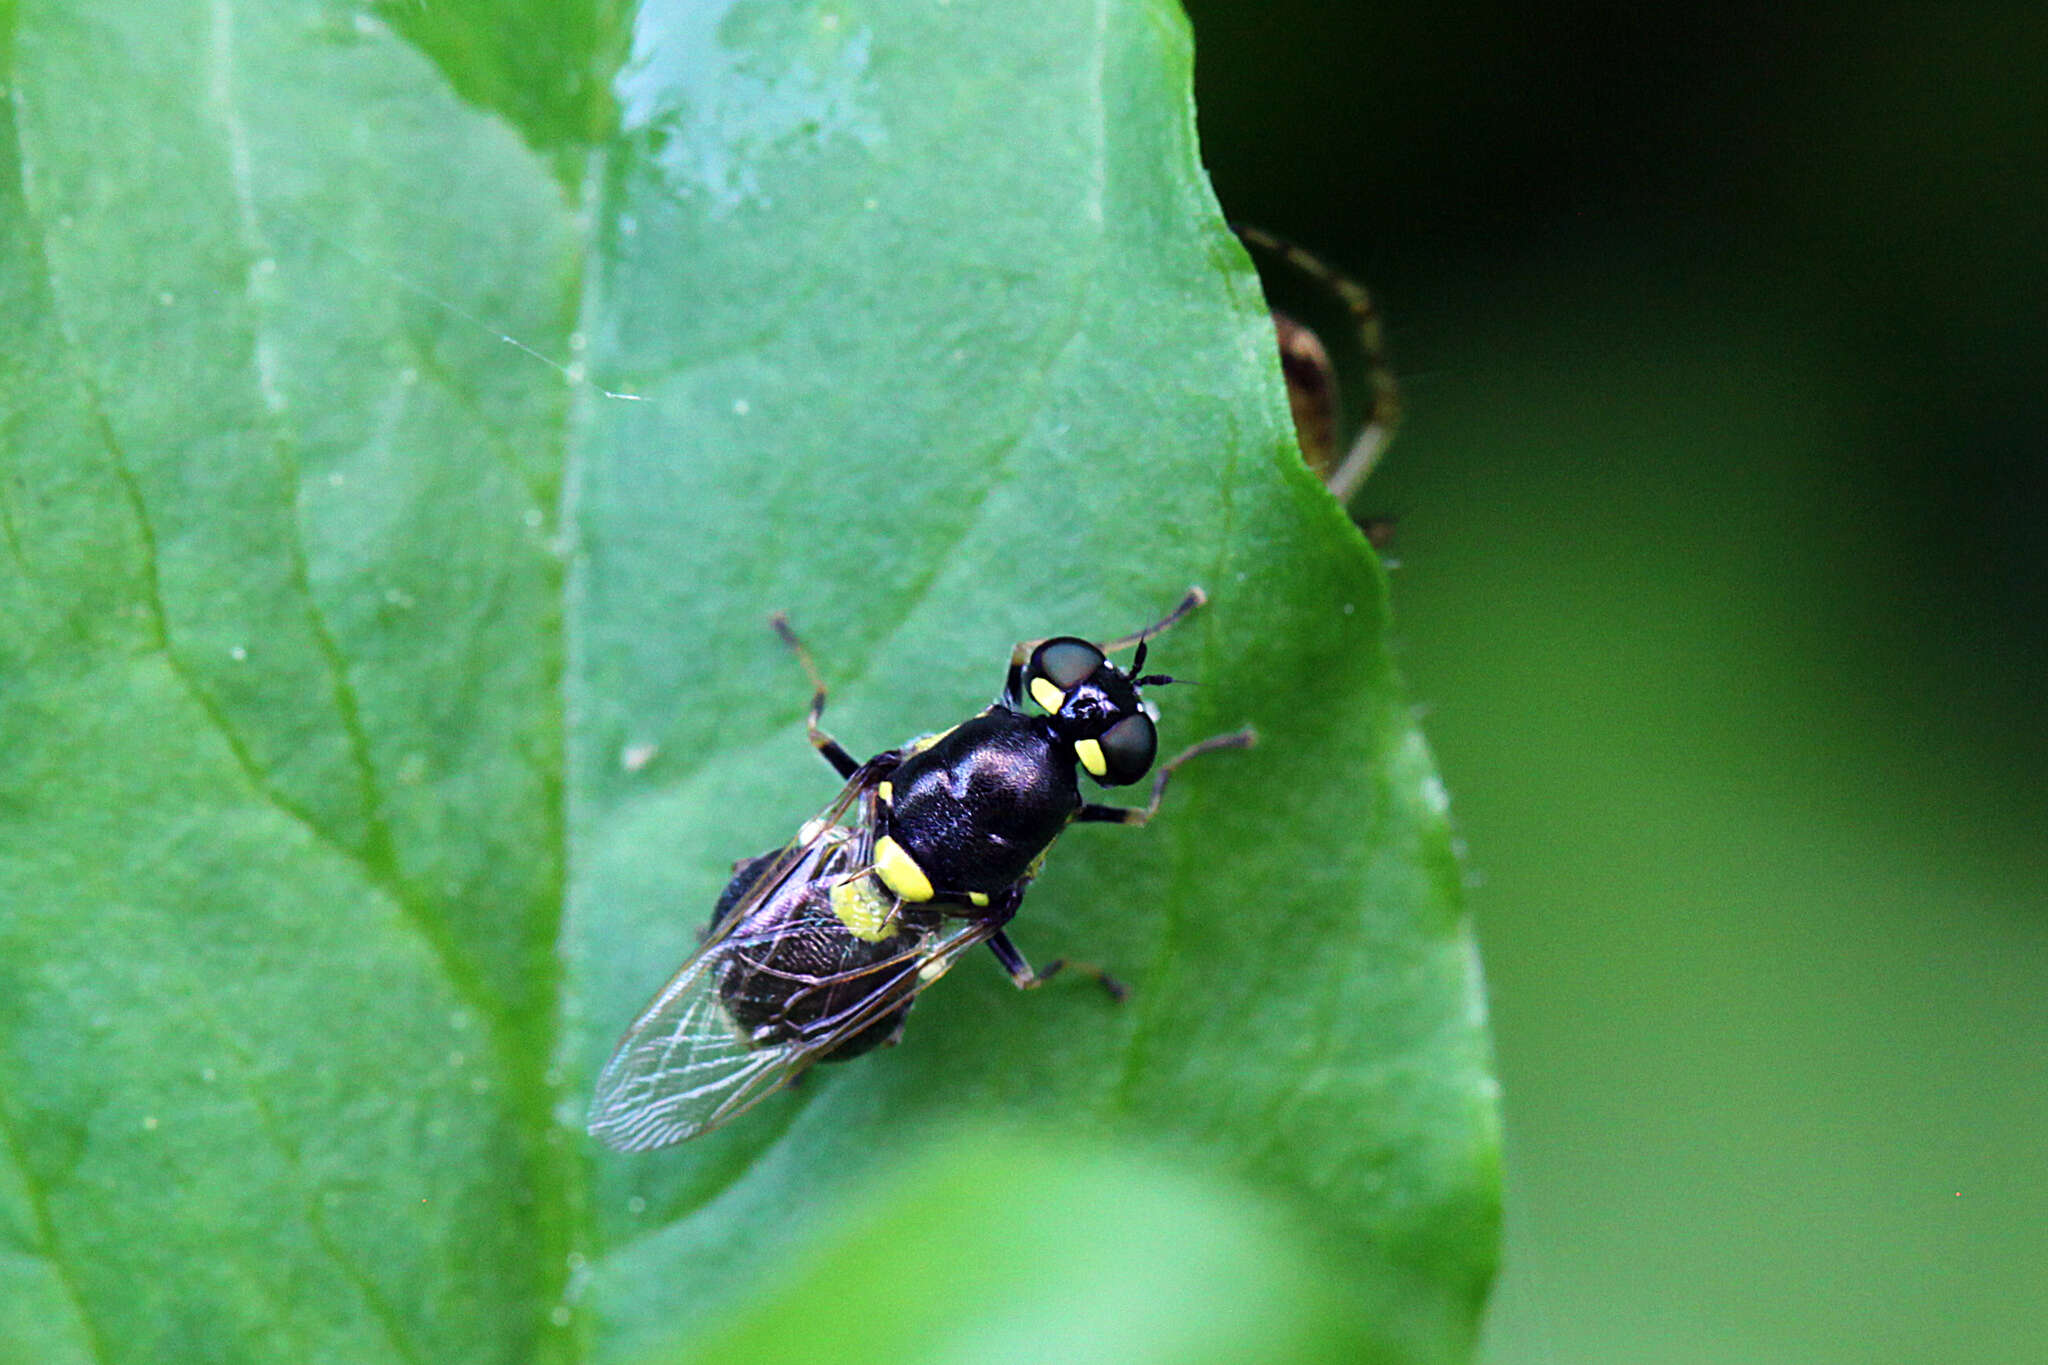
<point>409,421</point>
<point>1044,1249</point>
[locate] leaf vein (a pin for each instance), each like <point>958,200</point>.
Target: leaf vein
<point>49,1249</point>
<point>571,1231</point>
<point>159,616</point>
<point>380,855</point>
<point>494,439</point>
<point>316,1220</point>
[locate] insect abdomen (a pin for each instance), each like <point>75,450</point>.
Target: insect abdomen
<point>794,964</point>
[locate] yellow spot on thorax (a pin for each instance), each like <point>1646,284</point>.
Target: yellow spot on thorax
<point>900,872</point>
<point>1046,695</point>
<point>923,742</point>
<point>867,911</point>
<point>1090,754</point>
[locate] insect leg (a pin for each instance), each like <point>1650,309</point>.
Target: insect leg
<point>1021,972</point>
<point>1127,815</point>
<point>1013,682</point>
<point>822,742</point>
<point>1383,401</point>
<point>1195,597</point>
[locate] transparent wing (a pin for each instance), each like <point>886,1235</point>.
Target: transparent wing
<point>682,1068</point>
<point>687,1065</point>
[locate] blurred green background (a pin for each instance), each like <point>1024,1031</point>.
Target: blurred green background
<point>1723,516</point>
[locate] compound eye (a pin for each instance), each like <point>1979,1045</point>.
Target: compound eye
<point>1058,667</point>
<point>1128,748</point>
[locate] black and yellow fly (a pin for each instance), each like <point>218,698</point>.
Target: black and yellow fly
<point>817,950</point>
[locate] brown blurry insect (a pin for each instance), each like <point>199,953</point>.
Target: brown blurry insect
<point>1314,388</point>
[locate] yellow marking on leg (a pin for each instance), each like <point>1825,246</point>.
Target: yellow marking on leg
<point>900,872</point>
<point>977,898</point>
<point>1090,754</point>
<point>1047,696</point>
<point>886,791</point>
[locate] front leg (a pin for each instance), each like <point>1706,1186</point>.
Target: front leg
<point>1127,815</point>
<point>842,762</point>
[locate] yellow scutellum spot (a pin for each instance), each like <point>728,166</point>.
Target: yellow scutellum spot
<point>1046,695</point>
<point>866,910</point>
<point>977,898</point>
<point>1090,754</point>
<point>900,872</point>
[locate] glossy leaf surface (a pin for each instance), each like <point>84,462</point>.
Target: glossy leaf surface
<point>409,420</point>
